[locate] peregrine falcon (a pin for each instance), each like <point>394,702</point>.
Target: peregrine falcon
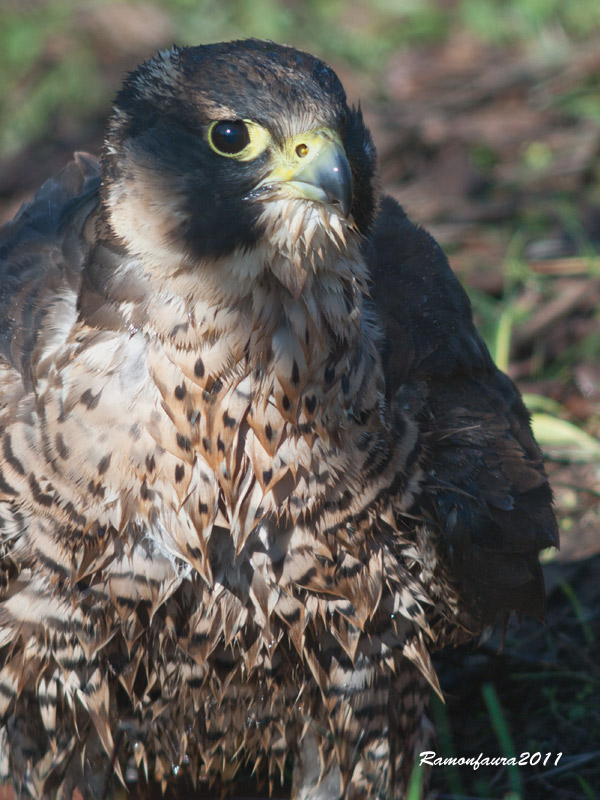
<point>256,463</point>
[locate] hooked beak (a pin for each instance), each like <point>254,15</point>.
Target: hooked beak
<point>313,166</point>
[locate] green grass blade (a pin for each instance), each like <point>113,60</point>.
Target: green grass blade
<point>503,735</point>
<point>415,787</point>
<point>446,742</point>
<point>562,439</point>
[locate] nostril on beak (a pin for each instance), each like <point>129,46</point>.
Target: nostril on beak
<point>302,150</point>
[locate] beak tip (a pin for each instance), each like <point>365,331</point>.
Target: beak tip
<point>336,182</point>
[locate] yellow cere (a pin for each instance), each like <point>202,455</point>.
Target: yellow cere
<point>305,147</point>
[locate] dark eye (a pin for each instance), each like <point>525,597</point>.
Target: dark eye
<point>229,137</point>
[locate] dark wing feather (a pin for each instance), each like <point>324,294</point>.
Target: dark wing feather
<point>425,312</point>
<point>40,259</point>
<point>486,486</point>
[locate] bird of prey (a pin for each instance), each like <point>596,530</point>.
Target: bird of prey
<point>256,463</point>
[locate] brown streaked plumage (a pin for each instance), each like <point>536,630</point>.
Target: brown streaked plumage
<point>256,464</point>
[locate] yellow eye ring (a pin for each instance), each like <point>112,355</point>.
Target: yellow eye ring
<point>241,139</point>
<point>229,137</point>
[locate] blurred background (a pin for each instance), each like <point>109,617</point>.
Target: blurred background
<point>486,116</point>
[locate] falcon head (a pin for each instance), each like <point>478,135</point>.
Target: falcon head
<point>243,152</point>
